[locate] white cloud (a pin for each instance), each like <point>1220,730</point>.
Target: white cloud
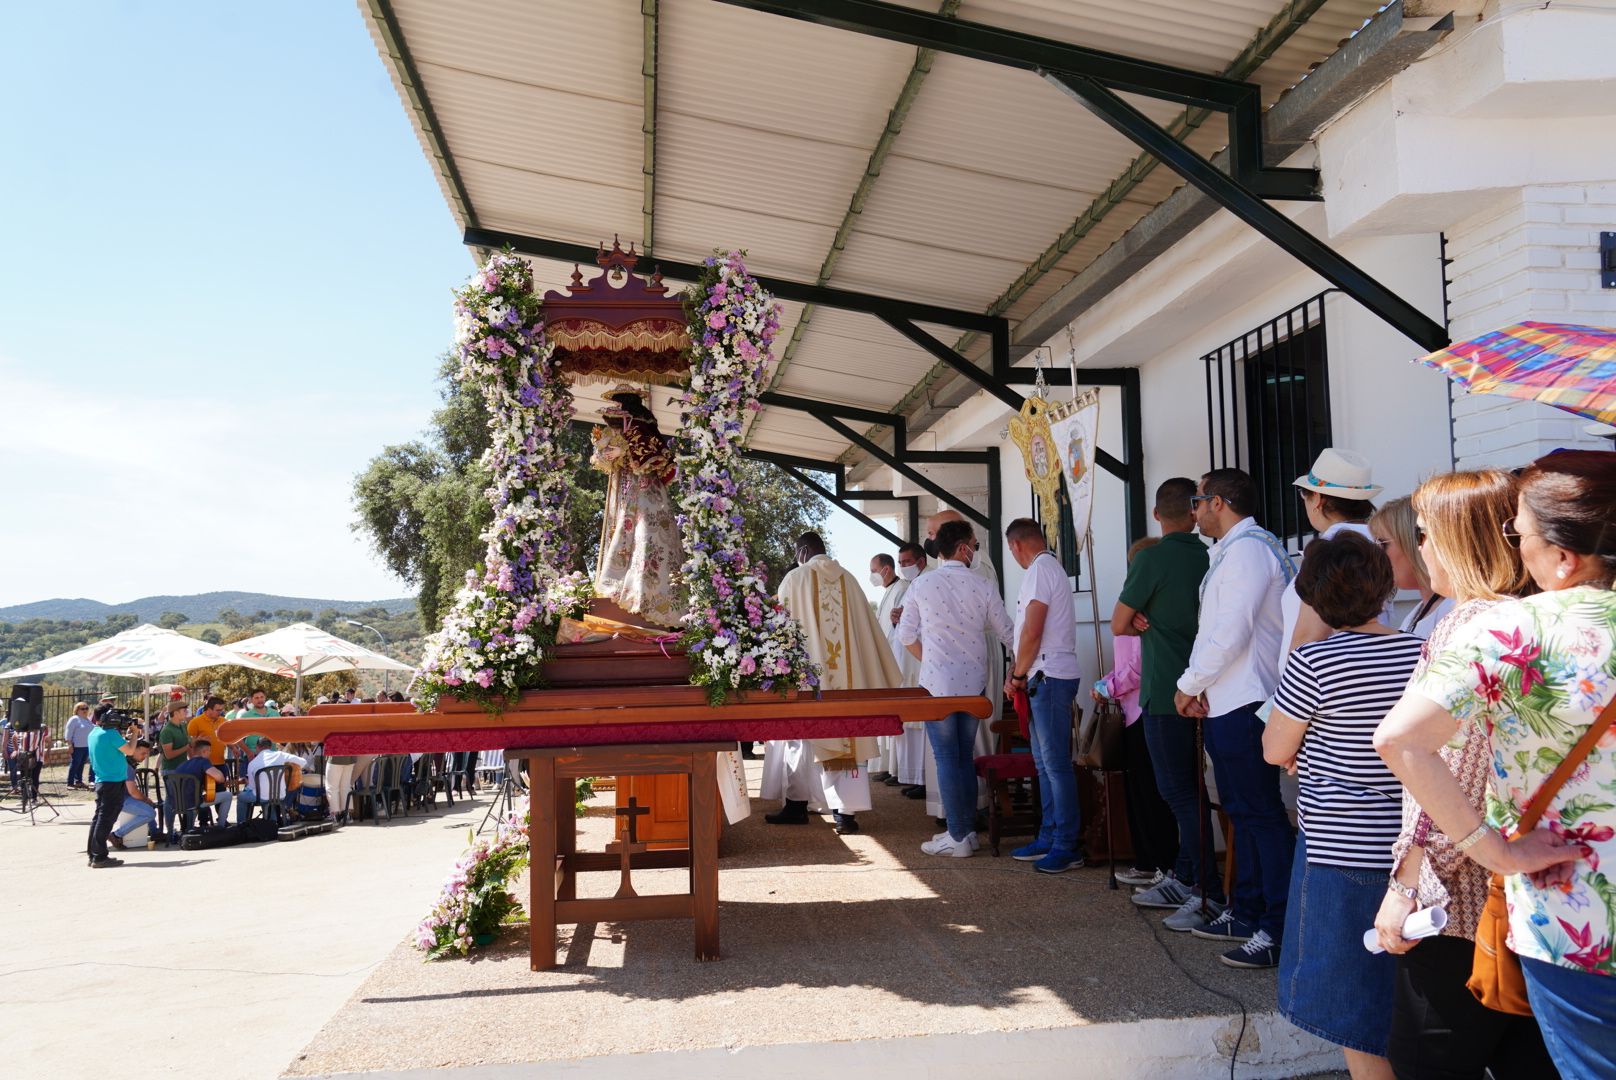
<point>120,491</point>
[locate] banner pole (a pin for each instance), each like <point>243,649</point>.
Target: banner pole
<point>1094,600</point>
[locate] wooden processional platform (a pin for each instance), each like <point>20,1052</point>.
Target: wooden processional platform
<point>623,730</point>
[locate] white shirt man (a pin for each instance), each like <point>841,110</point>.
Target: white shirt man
<point>275,788</point>
<point>1235,660</point>
<point>950,616</point>
<point>1233,668</point>
<point>1046,667</point>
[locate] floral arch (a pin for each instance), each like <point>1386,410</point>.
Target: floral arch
<point>520,351</point>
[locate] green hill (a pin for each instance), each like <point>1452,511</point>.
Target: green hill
<point>197,608</point>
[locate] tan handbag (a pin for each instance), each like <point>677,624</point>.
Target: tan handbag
<point>1496,978</point>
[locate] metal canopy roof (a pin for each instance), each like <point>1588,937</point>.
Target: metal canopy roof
<point>831,157</point>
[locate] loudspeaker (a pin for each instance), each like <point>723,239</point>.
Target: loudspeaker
<point>26,709</point>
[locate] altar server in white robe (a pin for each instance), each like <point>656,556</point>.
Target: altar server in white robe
<point>982,566</point>
<point>852,653</point>
<point>912,747</point>
<point>884,576</point>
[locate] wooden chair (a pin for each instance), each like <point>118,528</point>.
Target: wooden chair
<point>1012,781</point>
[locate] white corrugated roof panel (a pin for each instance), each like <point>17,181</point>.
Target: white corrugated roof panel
<point>764,129</point>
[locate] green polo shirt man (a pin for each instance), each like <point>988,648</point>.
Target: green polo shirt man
<point>1160,600</point>
<point>174,741</point>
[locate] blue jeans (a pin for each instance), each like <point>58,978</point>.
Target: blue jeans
<point>246,801</point>
<point>1577,1012</point>
<point>953,741</point>
<point>1177,765</point>
<point>1264,842</point>
<point>76,764</point>
<point>1051,731</point>
<point>144,813</point>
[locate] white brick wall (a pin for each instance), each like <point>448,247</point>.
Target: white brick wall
<point>1533,255</point>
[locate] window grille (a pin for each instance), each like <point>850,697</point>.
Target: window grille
<point>1268,411</point>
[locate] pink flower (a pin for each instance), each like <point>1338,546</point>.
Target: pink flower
<point>748,665</point>
<point>716,320</point>
<point>1488,685</point>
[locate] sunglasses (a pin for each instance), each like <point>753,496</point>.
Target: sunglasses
<point>1512,535</point>
<point>1194,499</point>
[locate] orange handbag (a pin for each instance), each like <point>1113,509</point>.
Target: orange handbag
<point>1496,978</point>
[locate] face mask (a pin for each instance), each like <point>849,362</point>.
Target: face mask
<point>930,548</point>
<point>910,572</point>
<point>877,580</point>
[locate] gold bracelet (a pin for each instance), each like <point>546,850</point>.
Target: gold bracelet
<point>1473,839</point>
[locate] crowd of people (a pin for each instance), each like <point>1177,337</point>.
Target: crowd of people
<point>248,774</point>
<point>1417,743</point>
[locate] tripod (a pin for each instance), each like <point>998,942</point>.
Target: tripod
<point>28,789</point>
<point>510,786</point>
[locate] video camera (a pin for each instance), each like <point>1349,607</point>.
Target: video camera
<point>117,718</point>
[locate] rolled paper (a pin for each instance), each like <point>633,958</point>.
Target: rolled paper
<point>1427,922</point>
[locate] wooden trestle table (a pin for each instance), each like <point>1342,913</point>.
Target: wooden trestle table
<point>601,731</point>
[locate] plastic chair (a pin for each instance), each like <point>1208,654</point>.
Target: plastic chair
<point>390,784</point>
<point>362,796</point>
<point>269,788</point>
<point>182,793</point>
<point>431,777</point>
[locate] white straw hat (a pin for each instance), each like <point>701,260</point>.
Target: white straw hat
<point>1342,473</point>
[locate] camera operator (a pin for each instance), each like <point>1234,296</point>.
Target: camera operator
<point>109,754</point>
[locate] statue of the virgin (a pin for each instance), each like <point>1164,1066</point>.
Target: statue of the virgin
<point>640,551</point>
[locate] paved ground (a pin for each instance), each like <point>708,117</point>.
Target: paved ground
<point>825,939</point>
<point>218,963</point>
<point>290,958</point>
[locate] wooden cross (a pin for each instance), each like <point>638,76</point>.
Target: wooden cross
<point>627,847</point>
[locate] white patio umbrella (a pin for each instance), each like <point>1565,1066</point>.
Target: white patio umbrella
<point>144,651</point>
<point>301,649</point>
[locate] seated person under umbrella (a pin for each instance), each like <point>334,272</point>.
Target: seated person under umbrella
<point>265,756</point>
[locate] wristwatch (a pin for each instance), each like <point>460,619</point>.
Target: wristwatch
<point>1393,885</point>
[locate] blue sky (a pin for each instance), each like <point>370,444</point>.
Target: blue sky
<point>224,278</point>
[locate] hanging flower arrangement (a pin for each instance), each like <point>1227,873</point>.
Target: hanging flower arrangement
<point>504,618</point>
<point>737,635</point>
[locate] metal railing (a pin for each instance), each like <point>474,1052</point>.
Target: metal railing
<point>59,704</point>
<point>1268,410</point>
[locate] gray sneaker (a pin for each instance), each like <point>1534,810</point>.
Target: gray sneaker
<point>1189,916</point>
<point>1166,893</point>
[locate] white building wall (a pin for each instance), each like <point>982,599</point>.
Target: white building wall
<point>1532,255</point>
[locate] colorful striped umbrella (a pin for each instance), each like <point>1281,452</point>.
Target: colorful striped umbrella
<point>1561,364</point>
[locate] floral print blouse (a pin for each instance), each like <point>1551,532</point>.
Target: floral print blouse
<point>1534,674</point>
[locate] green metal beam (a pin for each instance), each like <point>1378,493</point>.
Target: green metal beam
<point>381,13</point>
<point>648,70</point>
<point>861,194</point>
<point>1257,52</point>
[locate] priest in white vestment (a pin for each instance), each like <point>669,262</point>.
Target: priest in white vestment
<point>852,653</point>
<point>982,566</point>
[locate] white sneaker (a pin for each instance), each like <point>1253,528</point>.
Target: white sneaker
<point>976,845</point>
<point>949,847</point>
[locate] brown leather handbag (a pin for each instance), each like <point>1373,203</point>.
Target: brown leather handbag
<point>1496,978</point>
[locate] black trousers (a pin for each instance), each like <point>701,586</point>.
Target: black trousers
<point>1150,819</point>
<point>108,805</point>
<point>1441,1032</point>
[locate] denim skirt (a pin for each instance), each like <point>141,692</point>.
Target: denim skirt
<point>1329,984</point>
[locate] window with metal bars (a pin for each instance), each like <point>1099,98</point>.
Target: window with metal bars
<point>1268,411</point>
